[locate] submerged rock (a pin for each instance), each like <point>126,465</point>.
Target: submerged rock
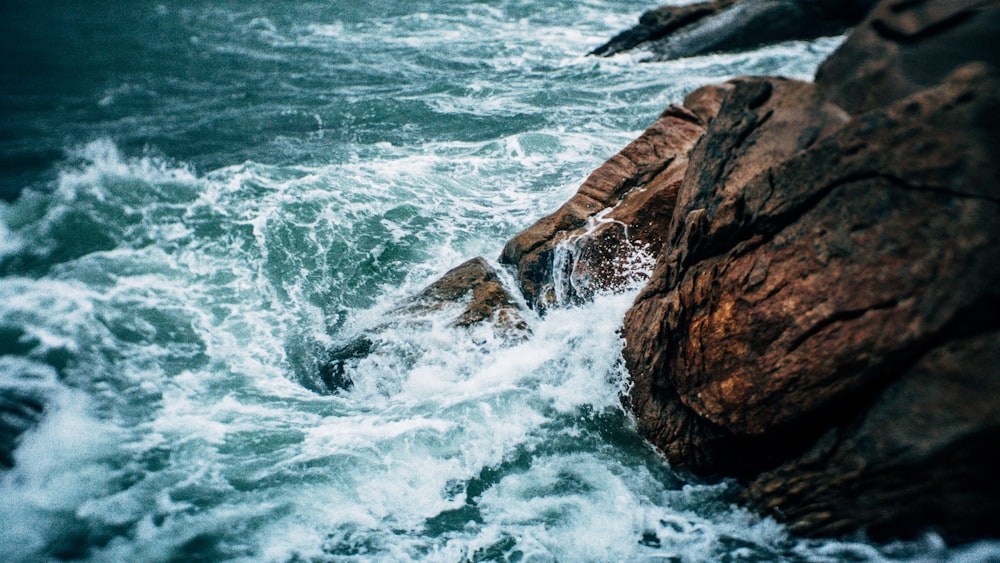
<point>673,32</point>
<point>472,292</point>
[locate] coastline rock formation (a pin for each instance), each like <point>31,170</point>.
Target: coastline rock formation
<point>673,32</point>
<point>621,209</point>
<point>822,318</point>
<point>821,321</point>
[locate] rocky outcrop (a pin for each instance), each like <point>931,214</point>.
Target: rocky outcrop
<point>922,455</point>
<point>780,294</point>
<point>821,319</point>
<point>472,294</point>
<point>621,210</point>
<point>673,32</point>
<point>659,22</point>
<point>477,286</point>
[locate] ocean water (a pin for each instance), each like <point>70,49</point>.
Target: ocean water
<point>202,198</point>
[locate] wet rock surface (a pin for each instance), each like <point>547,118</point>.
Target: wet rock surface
<point>621,210</point>
<point>824,304</point>
<point>19,412</point>
<point>477,286</point>
<point>673,32</point>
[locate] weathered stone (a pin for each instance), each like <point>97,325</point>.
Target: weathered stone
<point>477,286</point>
<point>822,274</point>
<point>904,46</point>
<point>624,205</point>
<point>926,444</point>
<point>673,32</point>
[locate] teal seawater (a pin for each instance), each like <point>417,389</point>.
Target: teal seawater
<point>202,197</point>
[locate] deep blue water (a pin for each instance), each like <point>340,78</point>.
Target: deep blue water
<point>204,196</point>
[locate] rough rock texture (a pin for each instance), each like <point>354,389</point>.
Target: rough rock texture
<point>906,46</point>
<point>673,32</point>
<point>822,317</point>
<point>475,284</point>
<point>623,207</point>
<point>927,445</point>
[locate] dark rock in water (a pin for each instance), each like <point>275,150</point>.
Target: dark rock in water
<point>473,288</point>
<point>623,207</point>
<point>19,411</point>
<point>332,371</point>
<point>822,316</point>
<point>673,32</point>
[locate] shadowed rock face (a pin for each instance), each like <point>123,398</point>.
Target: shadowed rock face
<point>673,32</point>
<point>928,443</point>
<point>906,46</point>
<point>825,301</point>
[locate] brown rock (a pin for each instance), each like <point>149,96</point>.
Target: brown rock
<point>904,46</point>
<point>820,273</point>
<point>477,286</point>
<point>624,206</point>
<point>928,444</point>
<point>811,264</point>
